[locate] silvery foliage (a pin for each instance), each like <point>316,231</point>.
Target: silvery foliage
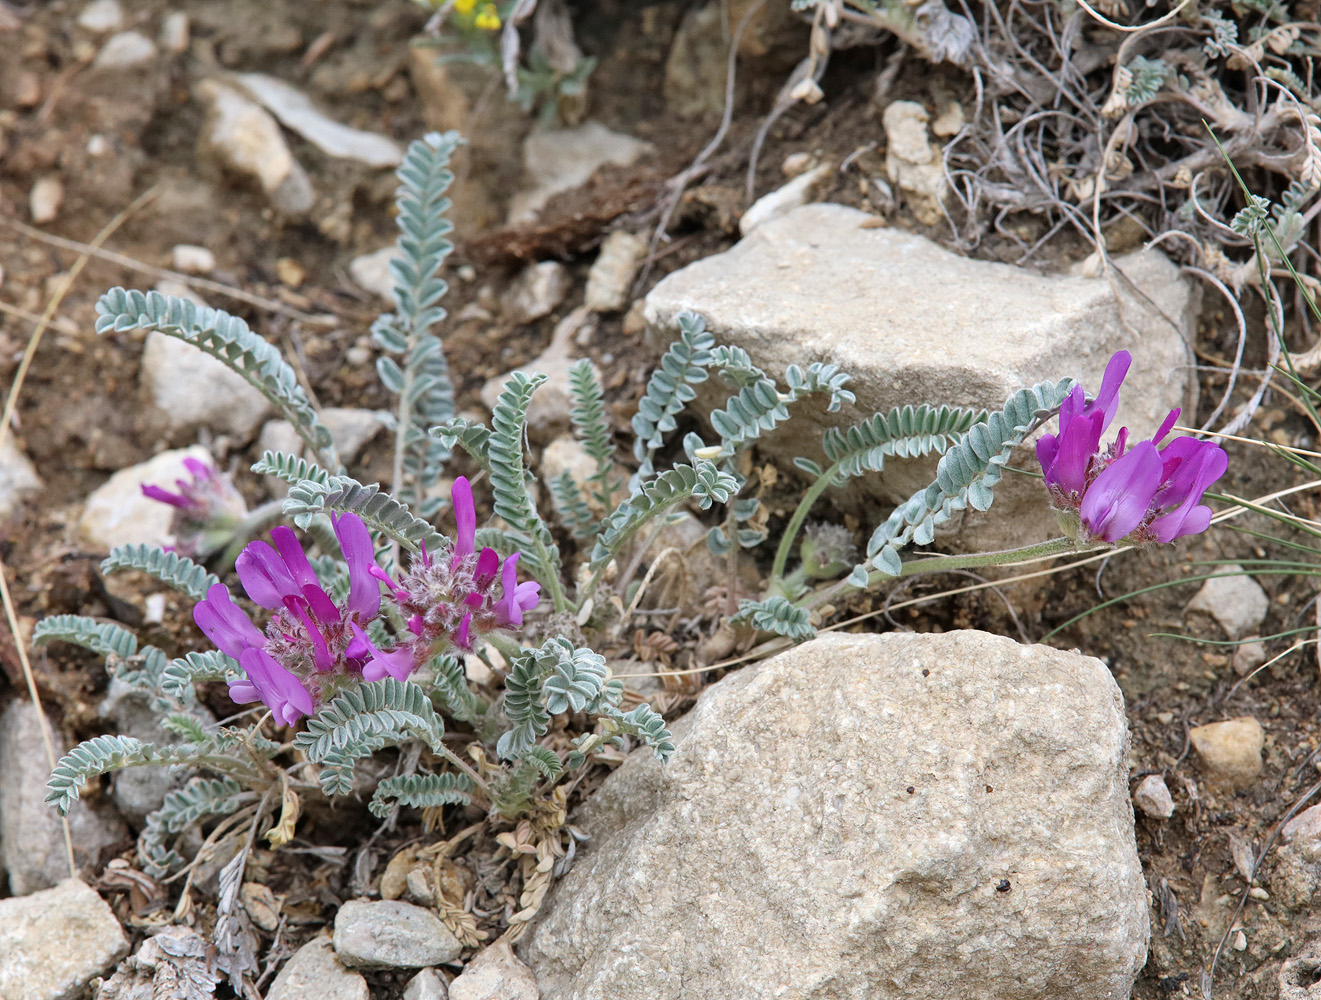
<point>237,769</point>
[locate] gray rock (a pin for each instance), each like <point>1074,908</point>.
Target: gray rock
<point>390,934</point>
<point>613,271</point>
<point>193,259</point>
<point>45,199</point>
<point>913,322</point>
<point>171,963</point>
<point>240,137</point>
<point>548,414</point>
<point>912,162</point>
<point>175,32</point>
<point>351,428</point>
<point>314,973</point>
<point>537,291</point>
<point>191,389</point>
<point>1229,752</point>
<point>1237,602</point>
<point>562,159</point>
<point>882,816</point>
<point>125,50</point>
<point>1248,657</point>
<point>52,943</point>
<point>427,985</point>
<point>297,112</point>
<point>372,272</point>
<point>117,513</point>
<point>101,16</point>
<point>1153,797</point>
<point>784,199</point>
<point>18,479</point>
<point>138,791</point>
<point>495,974</point>
<point>698,63</point>
<point>32,845</point>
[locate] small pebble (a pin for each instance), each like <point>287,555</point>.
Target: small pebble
<point>175,32</point>
<point>27,89</point>
<point>391,934</point>
<point>101,16</point>
<point>154,605</point>
<point>1152,796</point>
<point>45,199</point>
<point>537,291</point>
<point>98,145</point>
<point>1236,601</point>
<point>191,259</point>
<point>1257,892</point>
<point>1248,657</point>
<point>290,272</point>
<point>1230,752</point>
<point>1240,942</point>
<point>125,50</point>
<point>426,985</point>
<point>1164,718</point>
<point>797,163</point>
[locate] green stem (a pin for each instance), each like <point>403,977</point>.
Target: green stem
<point>796,523</point>
<point>938,564</point>
<point>453,758</point>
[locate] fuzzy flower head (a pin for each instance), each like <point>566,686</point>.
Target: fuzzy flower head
<point>1146,493</point>
<point>207,509</point>
<point>455,593</point>
<point>311,646</point>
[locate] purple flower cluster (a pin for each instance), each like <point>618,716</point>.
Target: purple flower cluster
<point>1146,493</point>
<point>312,646</point>
<point>207,509</point>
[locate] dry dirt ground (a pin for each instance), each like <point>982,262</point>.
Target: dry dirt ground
<point>80,416</point>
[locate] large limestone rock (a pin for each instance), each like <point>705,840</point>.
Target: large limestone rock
<point>866,816</point>
<point>52,943</point>
<point>32,845</point>
<point>191,389</point>
<point>117,513</point>
<point>916,323</point>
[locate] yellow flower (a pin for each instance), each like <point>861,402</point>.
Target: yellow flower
<point>464,7</point>
<point>488,19</point>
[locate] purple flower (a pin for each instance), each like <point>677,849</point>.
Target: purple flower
<point>448,597</point>
<point>208,509</point>
<point>310,644</point>
<point>1146,493</point>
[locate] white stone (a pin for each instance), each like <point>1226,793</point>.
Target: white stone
<point>125,50</point>
<point>118,514</point>
<point>1303,833</point>
<point>388,933</point>
<point>1229,752</point>
<point>537,290</point>
<point>314,973</point>
<point>53,943</point>
<point>45,198</point>
<point>1153,797</point>
<point>880,816</point>
<point>175,32</point>
<point>562,159</point>
<point>426,985</point>
<point>548,413</point>
<point>18,479</point>
<point>613,271</point>
<point>297,112</point>
<point>352,428</point>
<point>912,161</point>
<point>913,322</point>
<point>32,846</point>
<point>1236,602</point>
<point>784,199</point>
<point>567,454</point>
<point>242,137</point>
<point>192,389</point>
<point>101,16</point>
<point>192,259</point>
<point>372,272</point>
<point>496,973</point>
<point>1248,657</point>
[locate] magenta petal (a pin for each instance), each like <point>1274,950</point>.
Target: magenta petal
<point>465,519</point>
<point>1198,474</point>
<point>1117,501</point>
<point>1077,446</point>
<point>321,656</point>
<point>1048,446</point>
<point>221,621</point>
<point>280,690</point>
<point>264,575</point>
<point>1166,425</point>
<point>1107,400</point>
<point>507,610</point>
<point>398,663</point>
<point>198,468</point>
<point>321,604</point>
<point>488,564</point>
<point>165,496</point>
<point>1072,407</point>
<point>355,541</point>
<point>295,559</point>
<point>243,692</point>
<point>463,634</point>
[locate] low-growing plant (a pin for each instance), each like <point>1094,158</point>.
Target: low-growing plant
<point>369,642</point>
